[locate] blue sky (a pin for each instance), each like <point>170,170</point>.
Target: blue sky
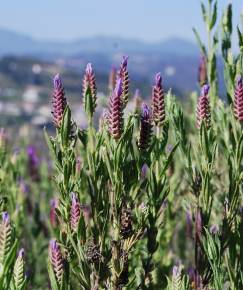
<point>149,20</point>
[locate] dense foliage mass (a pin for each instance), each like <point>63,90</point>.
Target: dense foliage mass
<point>151,199</point>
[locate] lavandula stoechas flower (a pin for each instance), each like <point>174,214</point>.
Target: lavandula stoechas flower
<point>202,71</point>
<point>58,101</point>
<point>123,75</point>
<point>116,111</point>
<point>56,260</point>
<point>18,273</point>
<point>75,212</point>
<point>158,101</point>
<point>5,236</point>
<point>89,87</point>
<point>203,112</point>
<point>238,99</point>
<point>145,128</point>
<point>33,163</point>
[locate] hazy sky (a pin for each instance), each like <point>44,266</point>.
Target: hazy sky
<point>149,20</point>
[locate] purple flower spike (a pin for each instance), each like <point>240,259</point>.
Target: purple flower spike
<point>75,212</point>
<point>202,71</point>
<point>145,128</point>
<point>116,111</point>
<point>56,260</point>
<point>238,99</point>
<point>124,76</point>
<point>158,102</point>
<point>89,83</point>
<point>58,101</point>
<point>203,112</point>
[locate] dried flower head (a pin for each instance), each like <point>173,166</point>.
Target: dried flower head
<point>123,75</point>
<point>126,222</point>
<point>93,252</point>
<point>58,101</point>
<point>158,102</point>
<point>203,112</point>
<point>238,99</point>
<point>116,111</point>
<point>145,131</point>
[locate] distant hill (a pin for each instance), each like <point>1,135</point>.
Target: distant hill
<point>175,58</point>
<point>19,44</point>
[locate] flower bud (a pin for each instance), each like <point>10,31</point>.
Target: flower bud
<point>58,101</point>
<point>89,90</point>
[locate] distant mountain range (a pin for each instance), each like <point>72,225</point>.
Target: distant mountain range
<point>175,58</point>
<point>20,44</point>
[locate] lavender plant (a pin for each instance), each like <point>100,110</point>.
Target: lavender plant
<point>152,199</point>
